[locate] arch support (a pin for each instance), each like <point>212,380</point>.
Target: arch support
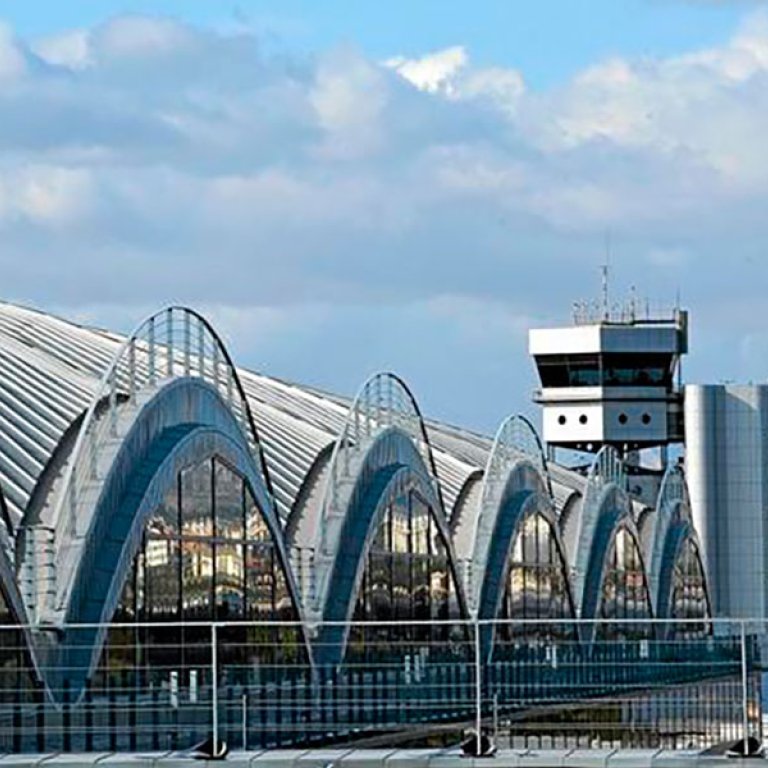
<point>184,422</point>
<point>175,344</point>
<point>383,404</point>
<point>391,467</point>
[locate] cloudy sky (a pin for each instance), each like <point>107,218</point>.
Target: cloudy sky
<point>345,187</point>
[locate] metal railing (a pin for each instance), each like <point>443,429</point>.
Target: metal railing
<point>255,685</point>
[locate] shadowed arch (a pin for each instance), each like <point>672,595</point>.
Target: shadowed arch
<point>679,536</point>
<point>185,421</point>
<point>516,461</point>
<point>612,515</point>
<point>461,507</point>
<point>525,494</point>
<point>391,465</point>
<point>173,344</point>
<point>672,536</point>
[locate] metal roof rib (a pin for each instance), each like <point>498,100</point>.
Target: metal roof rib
<point>50,369</point>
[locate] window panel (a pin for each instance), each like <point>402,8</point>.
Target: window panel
<point>380,580</point>
<point>624,591</point>
<point>164,520</point>
<point>420,518</point>
<point>260,583</point>
<point>255,525</point>
<point>230,520</point>
<point>230,580</point>
<point>161,579</point>
<point>401,586</point>
<point>197,579</point>
<point>196,501</point>
<point>536,585</point>
<point>207,553</point>
<point>689,599</point>
<point>401,527</point>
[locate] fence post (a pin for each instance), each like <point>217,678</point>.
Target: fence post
<point>244,720</point>
<point>478,688</point>
<point>215,688</point>
<point>744,684</point>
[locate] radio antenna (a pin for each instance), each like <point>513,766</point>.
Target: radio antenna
<point>605,270</point>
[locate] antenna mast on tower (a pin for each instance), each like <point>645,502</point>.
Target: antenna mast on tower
<point>604,270</point>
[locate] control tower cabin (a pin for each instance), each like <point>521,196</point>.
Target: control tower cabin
<point>611,379</point>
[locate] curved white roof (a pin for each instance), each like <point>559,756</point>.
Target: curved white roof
<point>50,369</point>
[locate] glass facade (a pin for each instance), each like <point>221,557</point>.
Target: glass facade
<point>206,555</point>
<point>408,578</point>
<point>689,592</point>
<point>606,370</point>
<point>536,586</point>
<point>624,591</point>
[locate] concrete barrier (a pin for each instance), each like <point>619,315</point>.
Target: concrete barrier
<point>388,758</point>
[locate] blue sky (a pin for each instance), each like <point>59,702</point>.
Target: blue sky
<point>547,39</point>
<point>346,187</point>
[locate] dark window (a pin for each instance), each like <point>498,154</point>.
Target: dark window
<point>637,370</point>
<point>609,370</point>
<point>569,371</point>
<point>689,593</point>
<point>624,592</point>
<point>207,554</point>
<point>407,578</point>
<point>536,587</point>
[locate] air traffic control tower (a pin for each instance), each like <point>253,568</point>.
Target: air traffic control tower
<point>612,378</point>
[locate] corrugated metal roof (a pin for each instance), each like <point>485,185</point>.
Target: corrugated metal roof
<point>50,369</point>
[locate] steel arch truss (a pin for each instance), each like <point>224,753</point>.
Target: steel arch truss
<point>175,342</point>
<point>186,421</point>
<point>384,402</point>
<point>613,515</point>
<point>672,509</point>
<point>672,529</point>
<point>516,464</point>
<point>606,482</point>
<point>392,465</point>
<point>517,507</point>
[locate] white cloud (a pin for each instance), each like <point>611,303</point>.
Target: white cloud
<point>331,197</point>
<point>705,107</point>
<point>434,72</point>
<point>349,96</point>
<point>140,36</point>
<point>69,49</point>
<point>448,73</point>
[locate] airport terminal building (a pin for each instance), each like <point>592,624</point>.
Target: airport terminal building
<point>147,479</point>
